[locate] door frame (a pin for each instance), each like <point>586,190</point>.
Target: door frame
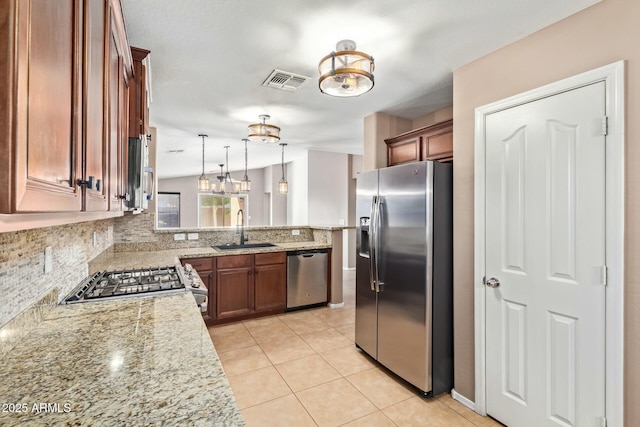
<point>613,76</point>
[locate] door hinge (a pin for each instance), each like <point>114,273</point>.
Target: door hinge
<point>603,275</point>
<point>605,125</point>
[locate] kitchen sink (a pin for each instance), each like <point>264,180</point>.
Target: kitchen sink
<point>245,246</point>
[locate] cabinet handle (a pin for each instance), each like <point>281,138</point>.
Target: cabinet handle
<point>249,272</point>
<point>257,272</point>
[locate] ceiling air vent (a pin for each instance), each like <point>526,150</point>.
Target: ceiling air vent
<point>175,151</point>
<point>285,80</point>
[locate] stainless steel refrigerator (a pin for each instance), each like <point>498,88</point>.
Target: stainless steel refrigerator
<point>404,272</point>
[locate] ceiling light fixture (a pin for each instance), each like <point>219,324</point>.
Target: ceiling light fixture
<point>203,181</point>
<point>227,185</point>
<point>245,184</point>
<point>262,132</point>
<point>346,72</point>
<point>283,185</point>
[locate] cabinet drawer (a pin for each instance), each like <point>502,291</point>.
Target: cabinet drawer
<point>271,258</point>
<point>200,264</point>
<point>234,261</point>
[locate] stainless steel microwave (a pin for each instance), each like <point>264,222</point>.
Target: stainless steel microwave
<point>140,175</point>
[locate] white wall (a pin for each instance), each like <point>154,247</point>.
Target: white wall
<point>298,200</point>
<point>328,188</point>
<point>187,187</point>
<point>278,201</point>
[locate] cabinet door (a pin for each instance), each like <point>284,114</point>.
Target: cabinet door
<point>438,146</point>
<point>45,133</point>
<point>118,100</point>
<point>403,151</point>
<point>234,292</point>
<point>270,287</point>
<point>96,144</point>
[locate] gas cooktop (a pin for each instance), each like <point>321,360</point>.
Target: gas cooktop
<point>121,284</point>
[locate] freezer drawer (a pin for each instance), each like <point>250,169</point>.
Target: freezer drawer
<point>306,277</point>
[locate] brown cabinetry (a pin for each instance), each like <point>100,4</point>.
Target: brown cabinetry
<point>139,94</point>
<point>429,143</point>
<point>243,286</point>
<point>55,152</point>
<point>270,281</point>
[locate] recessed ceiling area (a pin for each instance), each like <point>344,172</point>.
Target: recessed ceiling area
<point>209,60</point>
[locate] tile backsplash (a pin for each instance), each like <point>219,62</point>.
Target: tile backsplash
<point>23,280</point>
<point>24,283</point>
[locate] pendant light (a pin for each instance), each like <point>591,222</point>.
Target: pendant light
<point>203,181</point>
<point>346,72</point>
<point>225,183</point>
<point>245,184</point>
<point>262,132</point>
<point>283,186</point>
<point>219,186</point>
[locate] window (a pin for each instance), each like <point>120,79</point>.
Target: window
<point>221,210</point>
<point>168,210</point>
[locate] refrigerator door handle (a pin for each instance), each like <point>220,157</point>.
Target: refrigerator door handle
<point>372,244</point>
<point>378,226</point>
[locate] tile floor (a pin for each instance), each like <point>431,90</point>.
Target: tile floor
<point>303,369</point>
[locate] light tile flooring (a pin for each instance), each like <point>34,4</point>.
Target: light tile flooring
<point>303,369</point>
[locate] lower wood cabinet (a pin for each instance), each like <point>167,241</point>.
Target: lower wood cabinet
<point>243,286</point>
<point>270,287</point>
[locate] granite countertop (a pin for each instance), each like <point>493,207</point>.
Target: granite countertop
<point>140,361</point>
<point>142,259</point>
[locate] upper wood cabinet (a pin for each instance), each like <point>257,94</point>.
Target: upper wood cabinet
<point>429,143</point>
<point>139,94</point>
<point>118,83</point>
<point>56,153</point>
<point>40,132</point>
<point>96,148</point>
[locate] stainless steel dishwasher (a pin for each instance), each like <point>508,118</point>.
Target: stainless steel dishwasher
<point>306,277</point>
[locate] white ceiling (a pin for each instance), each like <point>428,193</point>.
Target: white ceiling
<point>210,57</point>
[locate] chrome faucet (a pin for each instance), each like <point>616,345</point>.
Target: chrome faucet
<point>240,226</point>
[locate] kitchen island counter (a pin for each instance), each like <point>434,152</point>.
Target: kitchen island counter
<point>138,361</point>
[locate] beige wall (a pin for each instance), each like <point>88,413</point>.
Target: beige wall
<point>378,127</point>
<point>600,35</point>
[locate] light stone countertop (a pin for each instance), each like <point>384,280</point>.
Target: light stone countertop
<point>136,362</point>
<point>140,361</point>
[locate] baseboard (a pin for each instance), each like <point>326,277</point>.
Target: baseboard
<point>460,398</point>
<point>336,305</point>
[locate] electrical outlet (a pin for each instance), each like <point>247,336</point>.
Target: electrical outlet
<point>341,222</point>
<point>295,232</point>
<point>179,236</point>
<point>94,239</point>
<point>48,260</point>
<point>192,236</point>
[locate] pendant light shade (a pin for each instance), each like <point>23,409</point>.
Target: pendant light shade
<point>346,72</point>
<point>263,132</point>
<point>283,185</point>
<point>245,184</point>
<point>203,181</point>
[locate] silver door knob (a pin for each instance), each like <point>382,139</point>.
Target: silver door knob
<point>492,283</point>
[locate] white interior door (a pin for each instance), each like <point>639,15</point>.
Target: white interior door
<point>545,245</point>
